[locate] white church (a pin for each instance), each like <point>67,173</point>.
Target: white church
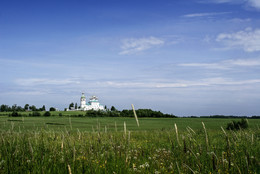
<point>92,104</point>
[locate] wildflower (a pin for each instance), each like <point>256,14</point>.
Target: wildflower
<point>2,162</point>
<point>156,172</point>
<point>134,166</point>
<point>141,166</point>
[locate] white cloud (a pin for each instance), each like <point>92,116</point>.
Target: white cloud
<point>254,3</point>
<point>152,84</point>
<point>133,45</point>
<point>240,20</point>
<point>204,65</point>
<point>223,1</point>
<point>227,64</point>
<point>204,14</point>
<point>243,62</point>
<point>45,81</point>
<point>247,39</point>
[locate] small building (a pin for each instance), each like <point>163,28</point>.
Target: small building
<point>93,103</point>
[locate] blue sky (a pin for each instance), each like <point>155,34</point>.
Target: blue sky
<point>196,57</point>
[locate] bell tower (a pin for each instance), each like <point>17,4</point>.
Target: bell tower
<point>82,101</point>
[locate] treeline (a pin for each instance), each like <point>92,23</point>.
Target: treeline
<point>127,113</point>
<point>225,116</point>
<point>32,114</point>
<point>99,113</point>
<point>27,107</point>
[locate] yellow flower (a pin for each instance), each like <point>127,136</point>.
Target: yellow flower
<point>134,166</point>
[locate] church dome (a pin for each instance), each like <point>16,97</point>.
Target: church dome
<point>83,96</point>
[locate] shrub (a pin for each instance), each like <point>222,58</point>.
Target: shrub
<point>47,114</point>
<point>52,109</point>
<point>236,125</point>
<point>15,114</point>
<point>36,114</point>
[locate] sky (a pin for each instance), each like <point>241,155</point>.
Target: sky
<point>196,57</point>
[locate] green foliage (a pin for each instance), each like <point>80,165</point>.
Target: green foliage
<point>15,114</point>
<point>236,125</point>
<point>47,114</point>
<point>127,113</point>
<point>33,108</point>
<point>26,107</point>
<point>36,114</point>
<point>113,108</point>
<point>52,109</point>
<point>71,106</point>
<point>5,108</point>
<point>43,108</point>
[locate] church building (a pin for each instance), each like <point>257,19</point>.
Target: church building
<point>93,103</point>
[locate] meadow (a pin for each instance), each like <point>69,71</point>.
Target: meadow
<point>117,145</point>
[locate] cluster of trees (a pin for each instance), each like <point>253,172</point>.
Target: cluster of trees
<point>127,113</point>
<point>73,106</point>
<point>27,107</point>
<point>33,114</point>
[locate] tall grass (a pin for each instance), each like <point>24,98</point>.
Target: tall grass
<point>104,151</point>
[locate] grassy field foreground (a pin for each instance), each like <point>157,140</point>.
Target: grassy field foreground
<point>105,145</point>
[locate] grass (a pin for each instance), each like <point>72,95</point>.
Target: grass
<point>94,145</point>
<point>87,124</point>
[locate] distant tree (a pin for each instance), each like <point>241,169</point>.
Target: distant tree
<point>52,109</point>
<point>105,107</point>
<point>43,108</point>
<point>14,107</point>
<point>71,105</point>
<point>4,108</point>
<point>47,114</point>
<point>19,109</point>
<point>15,114</point>
<point>113,108</point>
<point>76,106</point>
<point>26,107</point>
<point>33,108</point>
<point>36,114</point>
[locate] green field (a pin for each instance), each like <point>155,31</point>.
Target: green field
<point>102,145</point>
<point>109,123</point>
